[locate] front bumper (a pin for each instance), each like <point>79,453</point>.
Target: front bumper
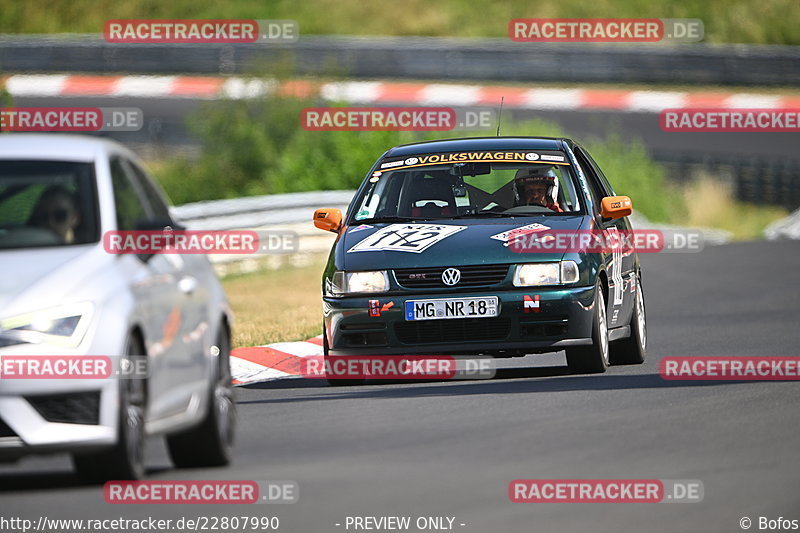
<point>55,415</point>
<point>563,318</point>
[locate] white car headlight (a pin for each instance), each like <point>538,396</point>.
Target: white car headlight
<point>360,282</point>
<point>534,274</point>
<point>64,325</point>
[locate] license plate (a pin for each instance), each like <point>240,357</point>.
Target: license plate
<point>442,308</point>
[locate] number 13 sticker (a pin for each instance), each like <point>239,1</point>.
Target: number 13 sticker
<point>414,238</point>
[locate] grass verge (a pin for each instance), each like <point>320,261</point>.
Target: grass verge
<point>712,204</point>
<point>276,305</point>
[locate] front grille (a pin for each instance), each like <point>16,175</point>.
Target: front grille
<point>74,408</point>
<point>353,340</point>
<point>363,325</point>
<point>6,431</point>
<point>431,277</point>
<point>553,327</point>
<point>452,330</point>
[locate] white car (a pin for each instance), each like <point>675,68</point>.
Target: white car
<point>62,294</point>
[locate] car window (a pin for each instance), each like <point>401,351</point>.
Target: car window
<point>603,181</point>
<point>479,183</point>
<point>47,203</point>
<point>378,195</point>
<point>159,207</point>
<point>129,204</point>
<point>591,177</point>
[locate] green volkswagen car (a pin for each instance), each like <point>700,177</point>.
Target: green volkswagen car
<point>427,260</point>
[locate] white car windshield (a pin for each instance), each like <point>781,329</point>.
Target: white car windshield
<point>460,190</point>
<point>47,203</point>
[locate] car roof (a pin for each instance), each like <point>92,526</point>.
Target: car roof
<point>479,143</point>
<point>57,147</point>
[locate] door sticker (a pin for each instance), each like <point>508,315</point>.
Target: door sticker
<point>616,265</point>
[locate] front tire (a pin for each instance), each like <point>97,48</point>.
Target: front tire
<point>126,459</point>
<point>592,359</point>
<point>211,442</point>
<point>633,350</point>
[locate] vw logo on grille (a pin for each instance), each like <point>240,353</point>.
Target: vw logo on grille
<point>451,276</point>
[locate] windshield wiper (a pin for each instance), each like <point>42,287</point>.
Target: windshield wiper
<point>378,220</point>
<point>487,214</point>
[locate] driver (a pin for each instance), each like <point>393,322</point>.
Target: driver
<point>57,211</point>
<point>537,186</point>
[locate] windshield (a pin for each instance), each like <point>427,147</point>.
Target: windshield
<point>463,185</point>
<point>47,203</point>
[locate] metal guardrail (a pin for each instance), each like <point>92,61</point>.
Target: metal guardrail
<point>259,211</point>
<point>279,213</point>
<point>417,58</point>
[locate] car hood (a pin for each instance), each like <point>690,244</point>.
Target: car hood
<point>472,245</point>
<point>38,278</point>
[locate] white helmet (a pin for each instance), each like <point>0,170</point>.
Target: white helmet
<point>538,173</point>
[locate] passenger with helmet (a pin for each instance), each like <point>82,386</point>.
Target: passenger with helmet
<point>537,185</point>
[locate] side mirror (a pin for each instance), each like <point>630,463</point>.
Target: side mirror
<point>328,218</point>
<point>158,224</point>
<point>616,206</point>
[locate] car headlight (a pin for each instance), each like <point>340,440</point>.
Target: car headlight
<point>533,274</point>
<point>64,325</point>
<point>360,282</point>
<point>569,272</point>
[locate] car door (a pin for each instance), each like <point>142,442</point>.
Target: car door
<point>620,263</point>
<point>158,299</point>
<point>193,283</point>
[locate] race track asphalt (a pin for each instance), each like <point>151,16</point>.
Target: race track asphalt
<point>451,448</point>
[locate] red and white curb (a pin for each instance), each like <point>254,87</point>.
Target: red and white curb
<point>280,360</point>
<point>383,92</point>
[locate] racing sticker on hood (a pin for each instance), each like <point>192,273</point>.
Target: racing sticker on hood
<point>359,228</point>
<point>522,230</point>
<point>414,238</point>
